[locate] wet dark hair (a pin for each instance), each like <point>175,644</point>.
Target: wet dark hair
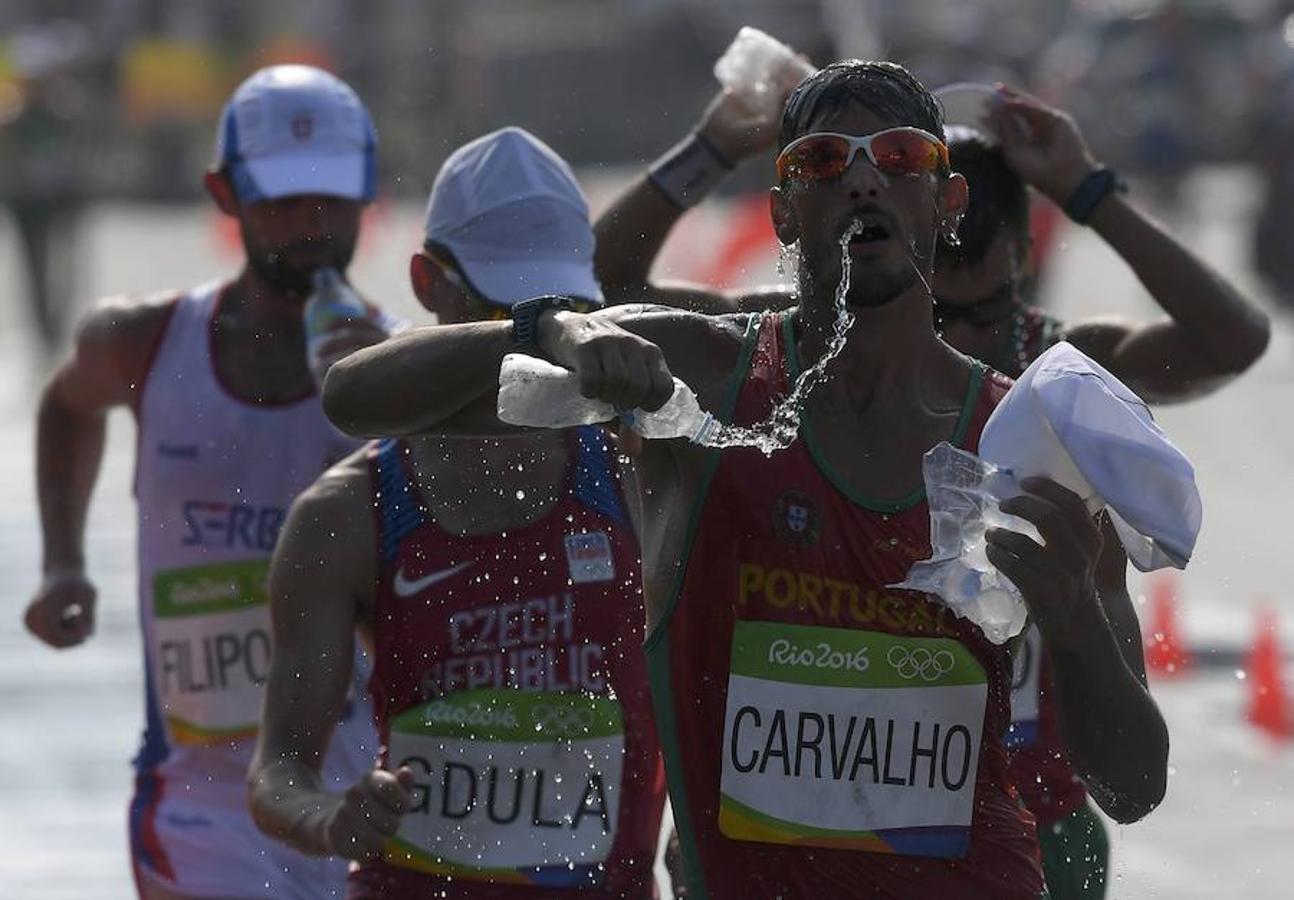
<point>998,197</point>
<point>884,88</point>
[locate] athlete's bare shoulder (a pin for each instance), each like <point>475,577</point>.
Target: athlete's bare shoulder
<point>331,525</point>
<point>115,344</point>
<point>326,557</point>
<point>341,497</point>
<point>132,323</point>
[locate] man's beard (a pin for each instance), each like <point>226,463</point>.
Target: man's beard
<point>870,288</point>
<point>293,278</point>
<point>876,289</point>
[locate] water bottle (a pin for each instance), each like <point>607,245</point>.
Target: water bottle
<point>535,393</point>
<point>751,65</point>
<point>333,304</point>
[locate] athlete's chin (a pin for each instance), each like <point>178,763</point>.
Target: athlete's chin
<point>878,289</point>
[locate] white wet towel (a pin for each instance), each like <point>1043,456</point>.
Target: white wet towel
<point>1070,420</point>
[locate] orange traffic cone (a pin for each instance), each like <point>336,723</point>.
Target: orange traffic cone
<point>1268,704</point>
<point>1165,653</point>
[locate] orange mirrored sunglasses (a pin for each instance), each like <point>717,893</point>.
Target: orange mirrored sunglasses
<point>894,151</point>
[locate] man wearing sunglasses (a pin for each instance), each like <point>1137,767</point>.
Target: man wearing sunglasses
<point>824,735</point>
<point>495,579</point>
<point>1211,334</point>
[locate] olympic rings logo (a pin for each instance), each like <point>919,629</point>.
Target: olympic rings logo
<point>920,662</point>
<point>562,721</point>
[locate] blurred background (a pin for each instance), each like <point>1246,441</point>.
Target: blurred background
<point>107,120</point>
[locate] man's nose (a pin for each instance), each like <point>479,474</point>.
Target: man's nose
<point>308,213</point>
<point>862,179</point>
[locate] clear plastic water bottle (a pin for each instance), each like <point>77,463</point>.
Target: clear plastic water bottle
<point>535,393</point>
<point>332,306</point>
<point>751,65</point>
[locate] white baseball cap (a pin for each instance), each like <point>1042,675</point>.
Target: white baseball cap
<point>291,130</point>
<point>512,214</point>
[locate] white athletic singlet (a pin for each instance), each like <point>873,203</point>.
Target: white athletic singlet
<point>214,478</point>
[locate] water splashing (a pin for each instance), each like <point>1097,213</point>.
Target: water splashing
<point>780,429</point>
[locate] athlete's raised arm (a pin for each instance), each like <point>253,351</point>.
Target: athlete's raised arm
<point>1211,334</point>
<point>1115,734</point>
<point>107,368</point>
<point>445,378</point>
<point>634,227</point>
<point>321,577</point>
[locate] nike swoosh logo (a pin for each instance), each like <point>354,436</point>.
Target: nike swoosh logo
<point>406,588</point>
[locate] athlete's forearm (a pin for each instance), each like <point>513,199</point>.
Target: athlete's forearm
<point>288,803</point>
<point>416,381</point>
<point>630,235</point>
<point>1209,311</point>
<point>1115,734</point>
<point>69,450</point>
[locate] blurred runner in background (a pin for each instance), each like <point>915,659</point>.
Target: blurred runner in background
<point>50,105</point>
<point>1210,334</point>
<point>499,589</point>
<point>230,430</point>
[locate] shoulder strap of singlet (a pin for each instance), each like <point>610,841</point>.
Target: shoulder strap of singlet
<point>1042,330</point>
<point>594,482</point>
<point>993,386</point>
<point>396,502</point>
<point>761,376</point>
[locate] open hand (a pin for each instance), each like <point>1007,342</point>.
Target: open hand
<point>1057,580</point>
<point>739,131</point>
<point>1040,143</point>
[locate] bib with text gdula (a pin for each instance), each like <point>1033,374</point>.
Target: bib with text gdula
<point>852,739</point>
<point>510,786</point>
<point>211,650</point>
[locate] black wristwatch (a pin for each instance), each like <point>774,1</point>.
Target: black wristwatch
<point>1090,192</point>
<point>525,320</point>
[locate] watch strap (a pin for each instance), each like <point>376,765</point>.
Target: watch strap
<point>1090,192</point>
<point>525,320</point>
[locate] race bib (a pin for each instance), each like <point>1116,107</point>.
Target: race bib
<point>511,786</point>
<point>211,650</point>
<point>1025,688</point>
<point>850,739</point>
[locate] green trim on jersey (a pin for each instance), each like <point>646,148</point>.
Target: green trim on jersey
<point>725,413</point>
<point>819,458</point>
<point>657,645</point>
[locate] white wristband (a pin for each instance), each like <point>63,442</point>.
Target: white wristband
<point>689,171</point>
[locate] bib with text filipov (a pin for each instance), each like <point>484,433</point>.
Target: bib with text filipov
<point>211,650</point>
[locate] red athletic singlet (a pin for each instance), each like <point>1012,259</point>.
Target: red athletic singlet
<point>509,675</point>
<point>824,735</point>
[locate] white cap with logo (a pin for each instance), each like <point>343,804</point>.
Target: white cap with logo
<point>292,130</point>
<point>512,214</point>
